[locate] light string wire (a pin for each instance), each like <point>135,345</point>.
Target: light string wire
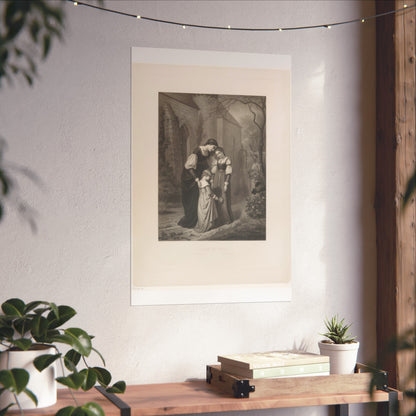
<point>275,29</point>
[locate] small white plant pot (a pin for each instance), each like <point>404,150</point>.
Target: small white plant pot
<point>42,384</point>
<point>342,357</point>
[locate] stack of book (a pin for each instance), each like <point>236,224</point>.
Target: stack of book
<point>275,364</point>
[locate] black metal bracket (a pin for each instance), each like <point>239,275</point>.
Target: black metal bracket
<point>390,408</point>
<point>208,375</point>
<point>393,402</point>
<point>242,389</point>
<point>381,380</point>
<point>124,407</point>
<point>380,377</point>
<point>341,410</point>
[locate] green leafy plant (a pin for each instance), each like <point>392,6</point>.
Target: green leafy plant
<point>337,331</point>
<point>25,326</point>
<point>28,29</point>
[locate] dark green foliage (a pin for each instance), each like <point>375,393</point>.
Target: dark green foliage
<point>16,380</point>
<point>117,388</point>
<point>24,326</point>
<point>88,409</point>
<point>9,189</point>
<point>45,360</point>
<point>5,186</point>
<point>27,30</point>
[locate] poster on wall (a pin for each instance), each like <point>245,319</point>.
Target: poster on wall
<point>210,177</point>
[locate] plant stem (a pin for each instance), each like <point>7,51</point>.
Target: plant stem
<point>85,362</point>
<point>63,373</point>
<point>18,403</point>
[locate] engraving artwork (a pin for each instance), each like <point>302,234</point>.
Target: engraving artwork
<point>212,167</point>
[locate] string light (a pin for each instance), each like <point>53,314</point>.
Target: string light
<point>280,29</point>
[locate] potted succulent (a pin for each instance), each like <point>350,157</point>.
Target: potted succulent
<point>341,347</point>
<point>34,331</point>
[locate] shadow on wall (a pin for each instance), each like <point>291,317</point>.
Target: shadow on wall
<point>350,218</point>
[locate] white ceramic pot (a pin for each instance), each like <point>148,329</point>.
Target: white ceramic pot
<point>42,384</point>
<point>342,357</point>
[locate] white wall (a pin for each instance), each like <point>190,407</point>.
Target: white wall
<point>73,130</point>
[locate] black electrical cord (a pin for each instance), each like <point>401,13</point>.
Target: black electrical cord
<point>275,29</point>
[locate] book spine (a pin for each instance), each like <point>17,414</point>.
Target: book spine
<point>293,370</point>
<point>235,363</point>
<point>254,363</point>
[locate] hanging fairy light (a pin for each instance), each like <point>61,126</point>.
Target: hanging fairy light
<point>246,29</point>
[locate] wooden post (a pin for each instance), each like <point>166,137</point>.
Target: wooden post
<point>395,164</point>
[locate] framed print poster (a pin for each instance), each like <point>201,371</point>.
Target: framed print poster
<point>210,177</point>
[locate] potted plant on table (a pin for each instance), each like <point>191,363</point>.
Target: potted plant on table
<point>341,347</point>
<point>31,336</point>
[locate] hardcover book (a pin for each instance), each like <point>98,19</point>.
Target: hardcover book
<point>256,360</point>
<point>282,371</point>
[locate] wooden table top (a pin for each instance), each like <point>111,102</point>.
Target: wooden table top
<point>65,399</point>
<point>199,397</point>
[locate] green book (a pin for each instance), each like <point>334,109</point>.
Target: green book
<point>256,360</point>
<point>274,372</point>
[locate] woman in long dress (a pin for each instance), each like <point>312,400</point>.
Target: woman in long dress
<point>222,171</point>
<point>207,208</point>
